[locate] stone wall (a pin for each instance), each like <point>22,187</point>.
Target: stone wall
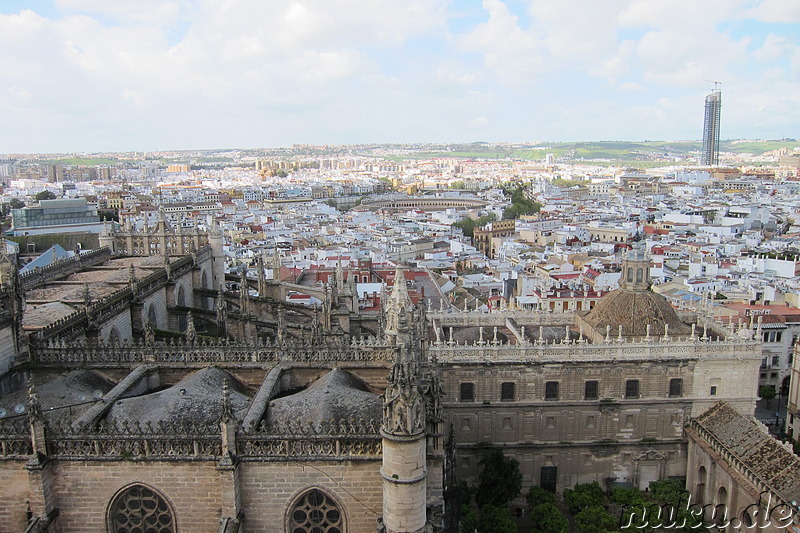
<point>7,348</point>
<point>84,491</point>
<point>584,439</point>
<point>122,323</point>
<point>269,489</point>
<point>735,381</point>
<point>158,301</point>
<point>14,495</point>
<point>705,477</point>
<point>584,463</point>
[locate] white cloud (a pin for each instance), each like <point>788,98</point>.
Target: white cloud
<point>674,58</point>
<point>684,15</point>
<point>631,87</point>
<point>159,12</point>
<point>478,122</point>
<point>775,47</point>
<point>347,70</point>
<point>577,29</point>
<point>509,52</point>
<point>776,11</point>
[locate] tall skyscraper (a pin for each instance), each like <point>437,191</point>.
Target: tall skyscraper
<point>711,129</point>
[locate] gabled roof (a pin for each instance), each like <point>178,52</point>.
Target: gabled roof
<point>762,455</point>
<point>53,254</point>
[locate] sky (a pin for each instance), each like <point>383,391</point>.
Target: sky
<point>125,75</point>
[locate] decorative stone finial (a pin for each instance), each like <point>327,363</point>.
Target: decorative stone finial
<point>191,332</point>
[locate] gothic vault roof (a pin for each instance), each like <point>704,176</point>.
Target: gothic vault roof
<point>77,388</point>
<point>196,399</point>
<point>338,395</point>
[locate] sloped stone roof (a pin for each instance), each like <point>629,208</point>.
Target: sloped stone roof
<point>71,389</point>
<point>338,395</point>
<point>763,455</point>
<point>197,399</point>
<point>37,316</point>
<point>634,310</point>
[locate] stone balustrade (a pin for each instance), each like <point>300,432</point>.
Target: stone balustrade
<point>59,352</point>
<point>616,350</point>
<point>347,439</point>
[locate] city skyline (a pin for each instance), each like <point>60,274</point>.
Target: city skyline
<point>86,75</point>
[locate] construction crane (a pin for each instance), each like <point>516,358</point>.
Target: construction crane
<point>716,84</point>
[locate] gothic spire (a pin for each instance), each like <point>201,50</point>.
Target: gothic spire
<point>398,307</point>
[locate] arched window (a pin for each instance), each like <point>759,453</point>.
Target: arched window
<point>113,337</point>
<point>722,496</point>
<point>316,512</point>
<point>207,302</point>
<point>152,318</point>
<point>140,509</point>
<point>180,301</point>
<point>721,506</point>
<point>630,274</point>
<point>700,486</point>
<point>639,275</point>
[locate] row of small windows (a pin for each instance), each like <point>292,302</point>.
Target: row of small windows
<point>551,390</point>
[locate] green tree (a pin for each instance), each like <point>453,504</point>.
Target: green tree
<point>595,519</point>
<point>583,495</point>
<point>548,519</point>
<point>537,496</point>
<point>496,520</point>
<point>45,195</point>
<point>561,182</point>
<point>500,480</point>
<point>16,203</point>
<point>674,501</point>
<point>623,496</point>
<point>767,392</point>
<point>467,225</point>
<point>520,204</point>
<point>469,519</point>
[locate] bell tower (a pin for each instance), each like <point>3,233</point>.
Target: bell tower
<point>635,271</point>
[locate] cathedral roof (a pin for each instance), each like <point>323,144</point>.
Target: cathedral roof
<point>634,310</point>
<point>338,395</point>
<point>197,399</point>
<point>763,455</point>
<point>79,387</point>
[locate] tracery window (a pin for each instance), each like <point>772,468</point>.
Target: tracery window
<point>152,318</point>
<point>140,509</point>
<point>113,337</point>
<point>315,512</point>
